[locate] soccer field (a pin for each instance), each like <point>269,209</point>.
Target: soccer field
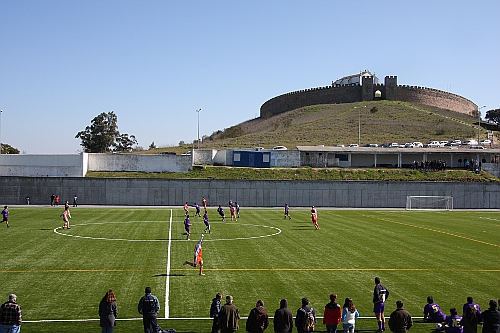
<point>60,275</point>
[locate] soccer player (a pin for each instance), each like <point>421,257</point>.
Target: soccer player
<point>380,294</point>
<point>198,260</point>
<point>237,209</point>
<point>66,216</point>
<point>186,209</point>
<point>287,212</point>
<point>233,215</point>
<point>204,203</point>
<point>5,214</point>
<point>197,209</point>
<point>230,203</point>
<point>220,210</point>
<point>187,226</point>
<point>452,323</point>
<point>471,304</point>
<point>432,312</point>
<point>207,224</point>
<point>314,218</point>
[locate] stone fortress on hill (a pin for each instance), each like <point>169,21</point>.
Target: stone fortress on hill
<point>365,87</point>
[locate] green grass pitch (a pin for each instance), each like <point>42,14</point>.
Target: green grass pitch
<point>61,275</point>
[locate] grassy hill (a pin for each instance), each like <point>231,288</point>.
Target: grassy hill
<point>332,124</point>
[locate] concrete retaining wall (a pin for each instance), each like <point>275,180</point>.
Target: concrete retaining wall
<point>74,165</point>
<point>248,193</point>
<point>138,162</point>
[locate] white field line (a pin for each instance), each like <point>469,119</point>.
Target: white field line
<point>167,280</point>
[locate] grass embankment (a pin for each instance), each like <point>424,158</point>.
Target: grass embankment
<point>306,173</point>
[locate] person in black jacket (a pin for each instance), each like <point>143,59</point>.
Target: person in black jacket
<point>491,318</point>
<point>214,312</point>
<point>258,319</point>
<point>283,318</point>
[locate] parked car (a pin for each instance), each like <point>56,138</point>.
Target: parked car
<point>258,148</point>
<point>477,147</point>
<point>453,143</point>
<point>485,142</point>
<point>417,144</point>
<point>353,145</point>
<point>470,143</point>
<point>371,145</point>
<point>167,153</point>
<point>279,148</point>
<point>394,145</point>
<point>409,145</point>
<point>433,144</point>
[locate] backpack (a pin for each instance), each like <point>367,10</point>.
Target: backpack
<point>308,320</point>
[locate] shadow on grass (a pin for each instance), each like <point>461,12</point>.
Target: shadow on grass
<point>165,274</point>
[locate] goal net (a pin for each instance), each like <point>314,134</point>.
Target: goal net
<point>426,202</point>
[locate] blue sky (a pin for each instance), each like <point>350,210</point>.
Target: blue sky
<point>154,63</point>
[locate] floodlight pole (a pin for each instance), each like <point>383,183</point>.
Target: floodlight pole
<point>198,111</point>
<point>479,122</point>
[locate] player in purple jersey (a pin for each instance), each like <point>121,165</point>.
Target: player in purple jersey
<point>237,209</point>
<point>5,214</point>
<point>187,226</point>
<point>287,212</point>
<point>207,224</point>
<point>470,303</point>
<point>432,312</point>
<point>452,322</point>
<point>197,207</point>
<point>220,210</point>
<point>230,203</point>
<point>380,294</point>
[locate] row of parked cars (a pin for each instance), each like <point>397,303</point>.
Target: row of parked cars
<point>431,144</point>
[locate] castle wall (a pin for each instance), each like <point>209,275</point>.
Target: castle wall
<point>301,98</point>
<point>435,98</point>
<point>358,93</point>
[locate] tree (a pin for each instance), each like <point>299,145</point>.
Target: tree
<point>124,143</point>
<point>493,115</point>
<point>101,134</point>
<point>152,145</point>
<point>8,149</point>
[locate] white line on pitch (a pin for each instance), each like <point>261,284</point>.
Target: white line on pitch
<point>167,280</point>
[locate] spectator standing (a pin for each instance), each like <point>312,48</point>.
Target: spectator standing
<point>214,312</point>
<point>229,316</point>
<point>491,318</point>
<point>302,314</point>
<point>53,199</point>
<point>148,307</point>
<point>400,320</point>
<point>380,295</point>
<point>332,314</point>
<point>28,201</point>
<point>108,311</point>
<point>283,318</point>
<point>469,320</point>
<point>75,201</point>
<point>432,312</point>
<point>56,200</point>
<point>10,315</point>
<point>258,319</point>
<point>349,315</point>
<point>5,215</point>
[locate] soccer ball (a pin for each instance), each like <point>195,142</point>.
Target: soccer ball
<point>439,327</point>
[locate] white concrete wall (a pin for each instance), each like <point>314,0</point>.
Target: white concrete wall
<point>285,158</point>
<point>139,162</point>
<point>43,165</point>
<point>204,156</point>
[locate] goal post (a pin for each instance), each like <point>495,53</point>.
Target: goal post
<point>429,202</point>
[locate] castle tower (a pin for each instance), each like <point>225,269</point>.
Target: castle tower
<point>367,88</point>
<point>391,88</point>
